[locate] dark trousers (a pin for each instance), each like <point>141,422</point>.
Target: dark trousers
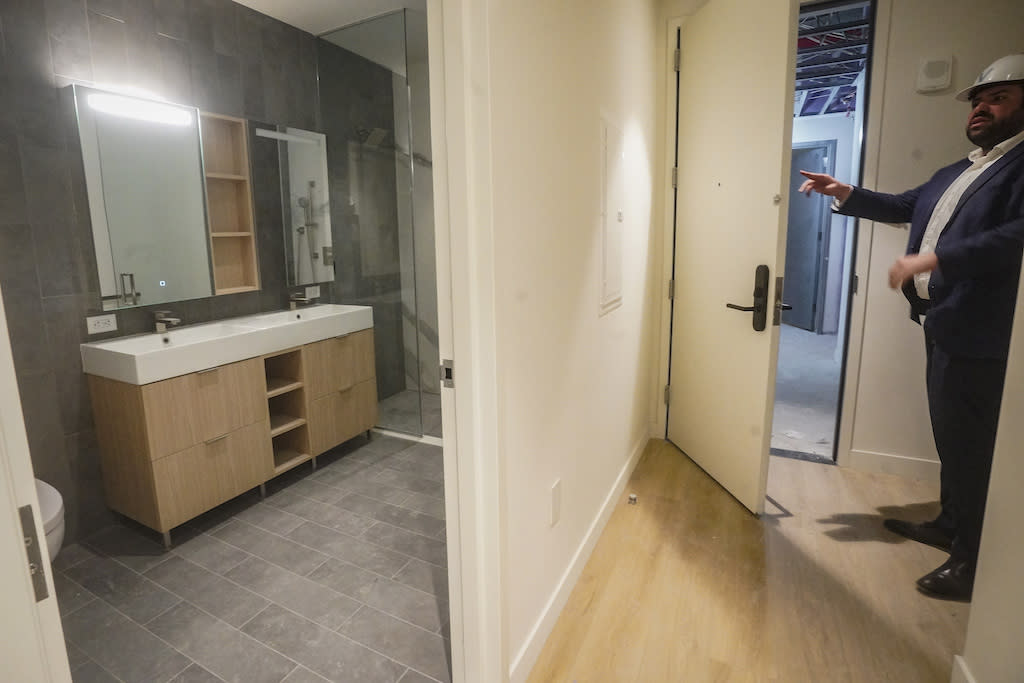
<point>964,395</point>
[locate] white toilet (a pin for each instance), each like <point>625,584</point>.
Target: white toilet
<point>51,507</point>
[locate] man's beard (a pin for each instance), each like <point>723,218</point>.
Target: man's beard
<point>996,132</point>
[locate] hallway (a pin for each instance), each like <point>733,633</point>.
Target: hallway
<point>686,585</point>
<point>806,393</point>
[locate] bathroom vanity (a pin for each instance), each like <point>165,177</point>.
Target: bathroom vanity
<point>190,418</point>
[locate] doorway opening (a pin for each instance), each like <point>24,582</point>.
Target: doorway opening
<point>833,61</point>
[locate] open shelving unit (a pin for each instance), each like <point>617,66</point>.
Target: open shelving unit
<point>229,203</point>
<point>286,403</point>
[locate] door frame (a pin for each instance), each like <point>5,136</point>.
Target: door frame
<point>43,630</point>
<point>474,499</point>
<point>673,30</point>
<point>821,286</point>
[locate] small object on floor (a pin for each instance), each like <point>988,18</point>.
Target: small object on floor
<point>953,580</point>
<point>925,532</point>
<point>632,499</point>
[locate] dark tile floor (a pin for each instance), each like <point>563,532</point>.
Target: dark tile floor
<point>411,412</point>
<point>338,575</point>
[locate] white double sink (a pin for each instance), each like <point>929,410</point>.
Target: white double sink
<point>146,358</point>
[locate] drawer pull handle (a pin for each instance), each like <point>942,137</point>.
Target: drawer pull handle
<point>206,371</point>
<point>216,439</point>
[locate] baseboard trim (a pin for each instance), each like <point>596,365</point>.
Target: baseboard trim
<point>527,656</point>
<point>425,438</point>
<point>961,672</point>
<point>911,468</point>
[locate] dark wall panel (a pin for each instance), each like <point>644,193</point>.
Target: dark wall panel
<point>213,54</point>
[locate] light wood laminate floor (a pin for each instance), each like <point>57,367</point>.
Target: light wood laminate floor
<point>688,586</point>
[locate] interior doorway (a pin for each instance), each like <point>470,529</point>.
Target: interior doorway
<point>833,56</point>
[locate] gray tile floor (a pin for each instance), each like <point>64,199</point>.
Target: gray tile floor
<point>338,575</point>
<point>411,412</point>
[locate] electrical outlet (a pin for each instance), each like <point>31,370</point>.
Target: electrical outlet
<point>313,292</point>
<point>98,324</point>
<point>556,502</point>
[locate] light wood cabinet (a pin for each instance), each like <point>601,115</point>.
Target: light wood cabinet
<point>342,387</point>
<point>287,404</point>
<point>229,203</point>
<point>186,410</point>
<point>171,450</point>
<point>200,478</point>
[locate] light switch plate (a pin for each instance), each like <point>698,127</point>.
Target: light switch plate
<point>98,324</point>
<point>313,292</point>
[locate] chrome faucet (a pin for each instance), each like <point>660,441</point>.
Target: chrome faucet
<point>297,299</point>
<point>164,320</point>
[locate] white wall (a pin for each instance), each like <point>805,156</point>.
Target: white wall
<point>995,630</point>
<point>574,388</point>
<point>909,137</point>
<point>841,128</point>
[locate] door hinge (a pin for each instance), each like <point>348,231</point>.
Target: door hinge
<point>856,284</point>
<point>671,289</point>
<point>668,394</point>
<point>448,373</point>
<point>677,60</point>
<point>675,176</point>
<point>36,566</point>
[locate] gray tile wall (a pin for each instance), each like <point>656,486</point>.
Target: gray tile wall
<point>213,54</point>
<point>356,97</point>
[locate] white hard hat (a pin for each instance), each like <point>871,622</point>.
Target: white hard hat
<point>1006,69</point>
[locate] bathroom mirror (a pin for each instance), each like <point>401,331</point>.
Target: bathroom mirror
<point>306,205</point>
<point>144,179</point>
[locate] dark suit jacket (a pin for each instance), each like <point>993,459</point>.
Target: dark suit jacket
<point>974,289</point>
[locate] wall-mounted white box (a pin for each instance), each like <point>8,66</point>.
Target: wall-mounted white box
<point>98,324</point>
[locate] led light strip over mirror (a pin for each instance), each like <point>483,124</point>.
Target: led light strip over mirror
<point>130,107</point>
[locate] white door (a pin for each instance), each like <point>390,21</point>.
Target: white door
<point>31,638</point>
<point>735,121</point>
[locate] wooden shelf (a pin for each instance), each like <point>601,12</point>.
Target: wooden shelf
<point>236,290</point>
<point>285,459</point>
<point>234,266</point>
<point>279,424</point>
<point>281,385</point>
<point>229,206</point>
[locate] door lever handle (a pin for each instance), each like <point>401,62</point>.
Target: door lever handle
<point>760,307</point>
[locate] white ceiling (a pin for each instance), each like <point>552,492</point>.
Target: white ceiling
<point>322,16</point>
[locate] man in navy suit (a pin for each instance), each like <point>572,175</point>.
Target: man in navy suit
<point>960,274</point>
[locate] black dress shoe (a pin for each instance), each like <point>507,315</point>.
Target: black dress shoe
<point>926,532</point>
<point>954,580</point>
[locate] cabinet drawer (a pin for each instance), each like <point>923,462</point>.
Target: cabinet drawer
<point>197,479</point>
<point>192,409</point>
<point>338,364</point>
<point>339,416</point>
<point>329,366</point>
<point>363,367</point>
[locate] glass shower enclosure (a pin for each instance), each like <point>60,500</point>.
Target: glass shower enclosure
<point>375,108</point>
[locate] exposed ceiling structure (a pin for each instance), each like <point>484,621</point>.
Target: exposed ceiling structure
<point>833,43</point>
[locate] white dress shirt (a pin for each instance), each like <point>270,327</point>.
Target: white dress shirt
<point>951,197</point>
